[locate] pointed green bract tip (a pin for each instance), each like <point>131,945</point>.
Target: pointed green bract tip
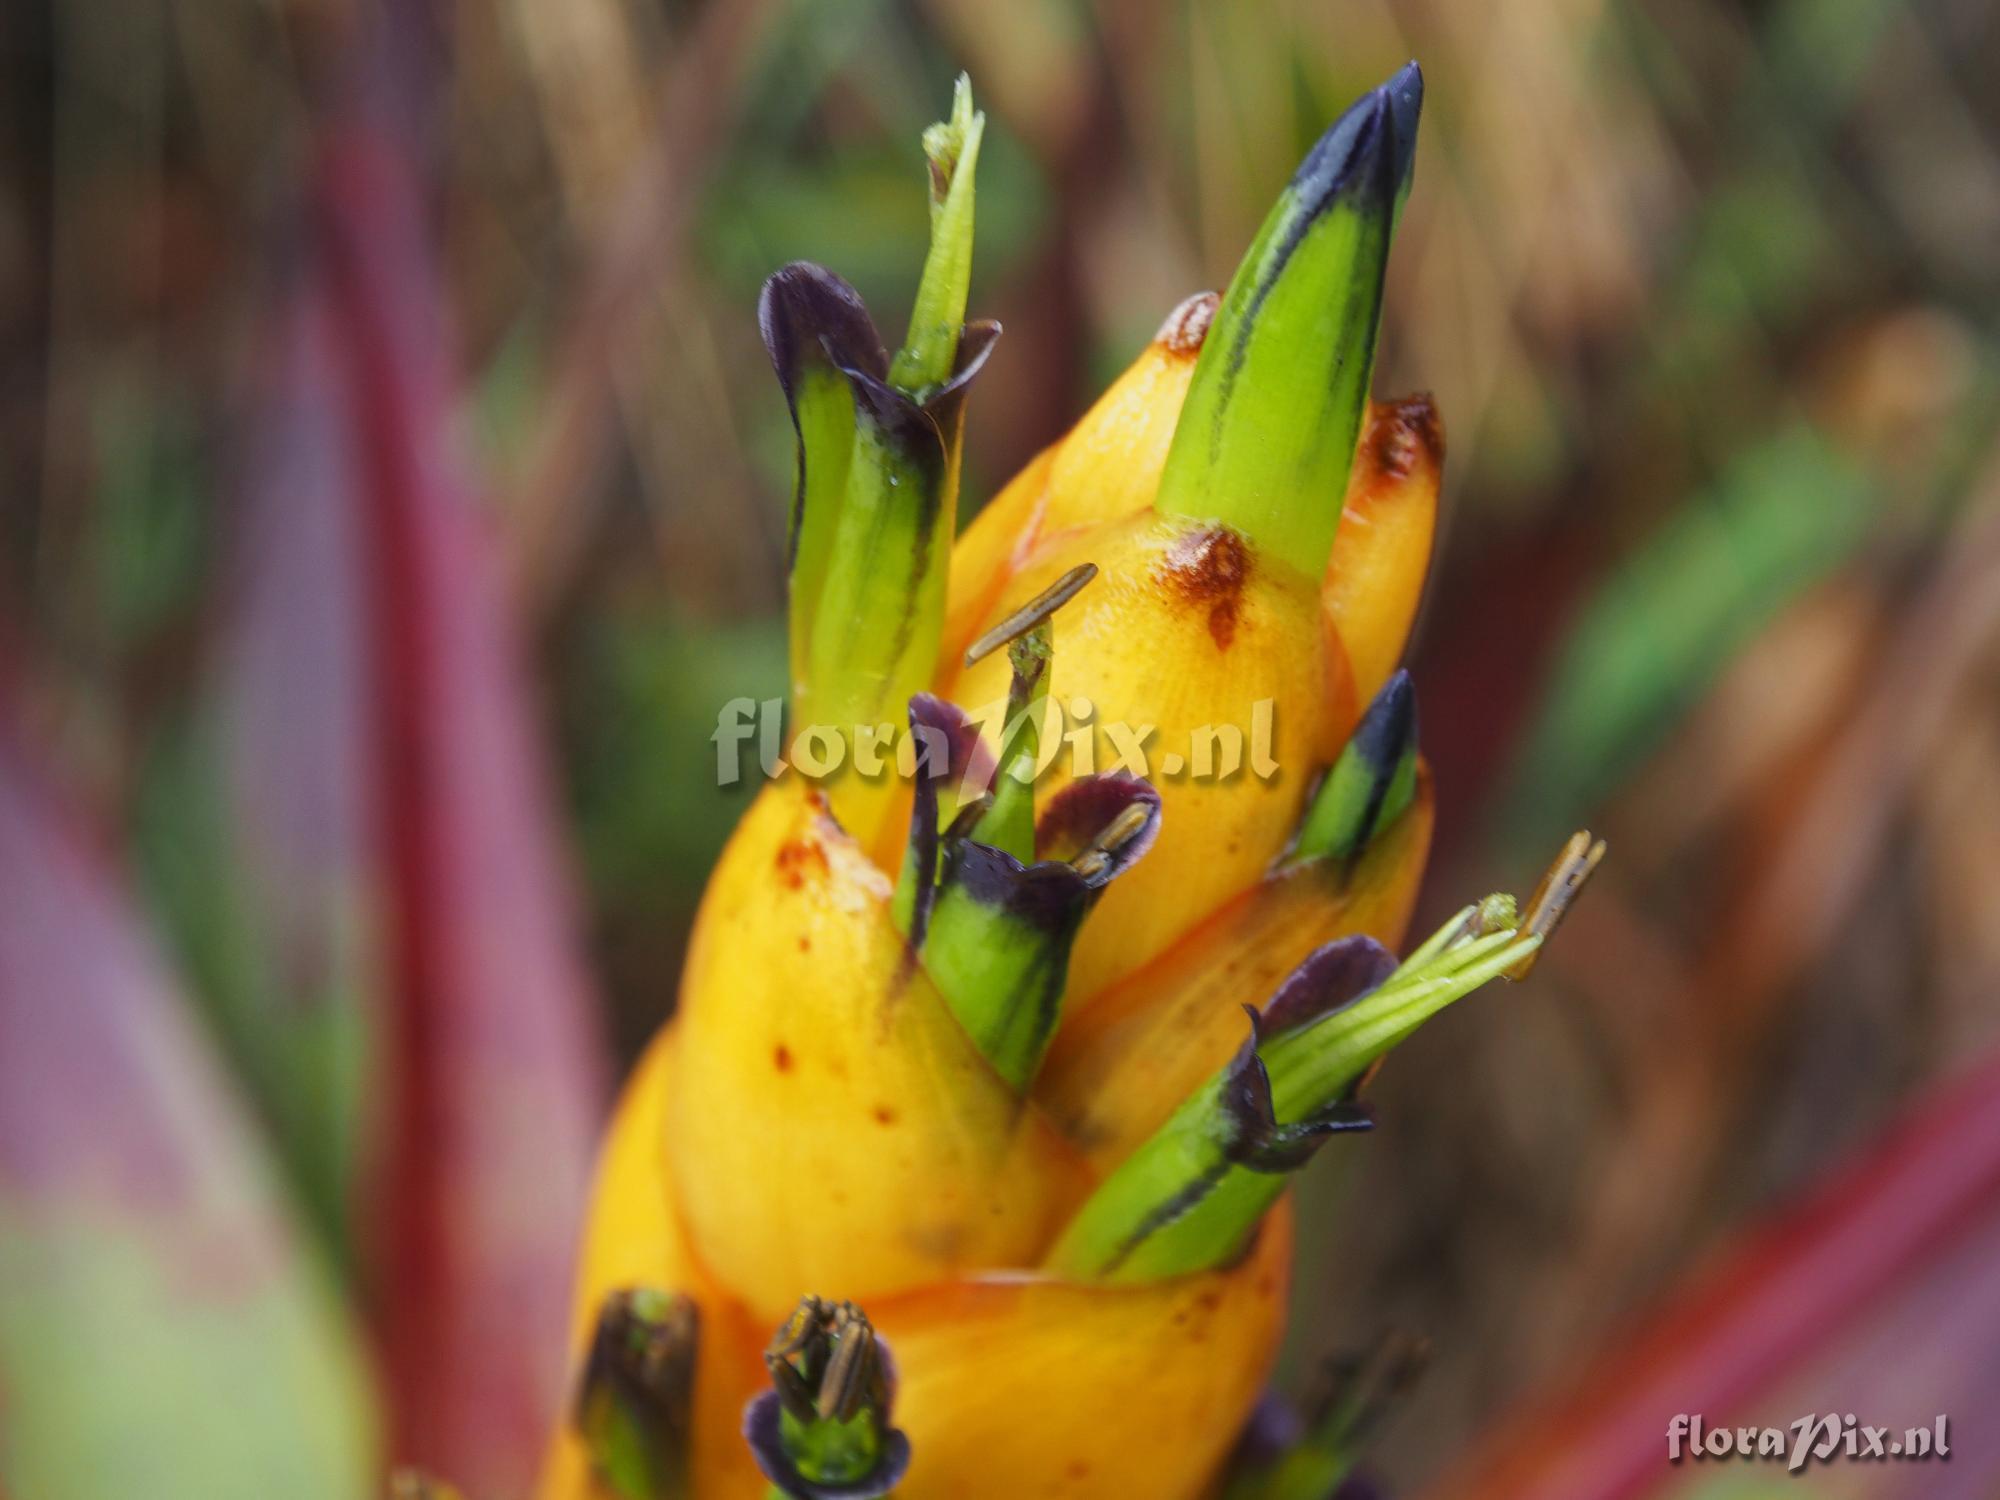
<point>1267,435</point>
<point>1371,783</point>
<point>952,150</point>
<point>945,143</point>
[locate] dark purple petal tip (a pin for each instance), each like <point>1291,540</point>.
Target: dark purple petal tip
<point>966,760</point>
<point>1081,811</point>
<point>1046,896</point>
<point>1330,978</point>
<point>809,316</point>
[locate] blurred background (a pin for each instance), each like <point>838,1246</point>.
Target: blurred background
<point>353,360</point>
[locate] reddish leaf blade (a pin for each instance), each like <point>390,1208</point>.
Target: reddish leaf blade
<point>161,1330</point>
<point>479,1173</point>
<point>1878,1295</point>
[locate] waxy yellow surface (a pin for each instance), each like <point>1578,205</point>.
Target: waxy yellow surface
<point>1186,628</point>
<point>836,1129</point>
<point>1106,466</point>
<point>1020,1386</point>
<point>1099,1368</point>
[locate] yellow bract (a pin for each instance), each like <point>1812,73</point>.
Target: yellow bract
<point>1190,640</point>
<point>1103,1370</point>
<point>1106,466</point>
<point>836,1129</point>
<point>816,1120</point>
<point>1025,1386</point>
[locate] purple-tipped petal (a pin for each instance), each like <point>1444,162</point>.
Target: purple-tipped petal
<point>1048,896</point>
<point>1082,810</point>
<point>968,762</point>
<point>1330,978</point>
<point>810,316</point>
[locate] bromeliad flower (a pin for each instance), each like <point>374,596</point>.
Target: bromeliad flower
<point>967,1048</point>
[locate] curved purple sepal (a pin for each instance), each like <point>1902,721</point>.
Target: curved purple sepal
<point>809,316</point>
<point>1330,978</point>
<point>1258,1139</point>
<point>1077,814</point>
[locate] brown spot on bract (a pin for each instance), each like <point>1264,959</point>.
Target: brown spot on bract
<point>1186,328</point>
<point>885,1114</point>
<point>1402,435</point>
<point>1208,567</point>
<point>805,943</point>
<point>781,1058</point>
<point>1077,1469</point>
<point>799,857</point>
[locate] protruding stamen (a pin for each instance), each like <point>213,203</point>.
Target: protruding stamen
<point>1557,889</point>
<point>1095,857</point>
<point>1008,823</point>
<point>1033,613</point>
<point>1189,1197</point>
<point>823,1429</point>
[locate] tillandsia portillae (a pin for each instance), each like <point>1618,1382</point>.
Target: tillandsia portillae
<point>961,1039</point>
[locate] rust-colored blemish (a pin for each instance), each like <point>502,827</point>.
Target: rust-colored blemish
<point>805,943</point>
<point>885,1114</point>
<point>797,857</point>
<point>1186,328</point>
<point>1403,435</point>
<point>781,1058</point>
<point>1208,568</point>
<point>1077,1469</point>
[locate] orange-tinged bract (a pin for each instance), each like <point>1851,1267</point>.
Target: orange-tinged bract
<point>1031,1386</point>
<point>819,1119</point>
<point>1375,577</point>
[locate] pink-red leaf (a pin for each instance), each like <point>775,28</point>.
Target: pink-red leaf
<point>490,1103</point>
<point>1878,1295</point>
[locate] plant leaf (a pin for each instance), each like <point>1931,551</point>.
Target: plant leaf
<point>479,1141</point>
<point>1878,1294</point>
<point>162,1330</point>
